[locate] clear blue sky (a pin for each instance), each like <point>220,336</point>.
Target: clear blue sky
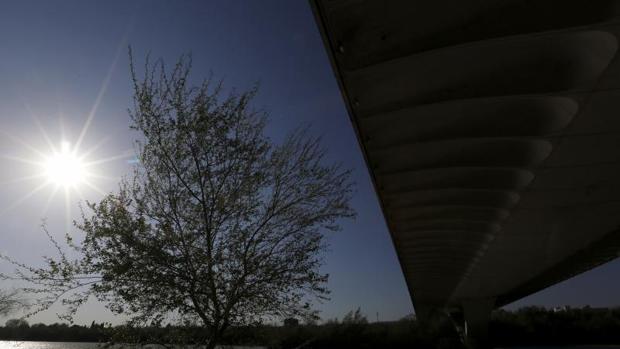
<point>57,57</point>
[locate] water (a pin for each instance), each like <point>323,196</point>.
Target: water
<point>46,345</point>
<point>76,345</point>
<point>81,345</point>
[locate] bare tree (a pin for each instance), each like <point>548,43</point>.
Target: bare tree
<point>219,225</point>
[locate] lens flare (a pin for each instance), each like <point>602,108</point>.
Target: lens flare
<point>64,168</point>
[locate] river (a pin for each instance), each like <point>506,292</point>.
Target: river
<point>81,345</point>
<point>77,345</point>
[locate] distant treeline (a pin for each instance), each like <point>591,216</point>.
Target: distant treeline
<point>526,326</point>
<point>560,326</point>
<point>18,329</point>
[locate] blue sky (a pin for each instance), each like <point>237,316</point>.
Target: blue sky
<point>59,58</point>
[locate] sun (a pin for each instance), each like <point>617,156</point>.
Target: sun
<point>65,168</point>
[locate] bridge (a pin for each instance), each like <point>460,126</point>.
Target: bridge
<point>491,130</point>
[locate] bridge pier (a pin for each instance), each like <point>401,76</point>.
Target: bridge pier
<point>477,314</point>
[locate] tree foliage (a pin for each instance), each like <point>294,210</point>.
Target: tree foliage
<point>218,226</point>
<point>13,323</point>
<point>355,317</point>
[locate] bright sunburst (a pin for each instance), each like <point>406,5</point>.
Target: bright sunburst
<point>65,167</point>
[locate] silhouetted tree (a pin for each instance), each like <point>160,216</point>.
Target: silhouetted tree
<point>218,224</point>
<point>355,318</point>
<point>15,323</point>
<point>290,322</point>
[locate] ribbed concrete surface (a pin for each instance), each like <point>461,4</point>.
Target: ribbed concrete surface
<point>491,129</point>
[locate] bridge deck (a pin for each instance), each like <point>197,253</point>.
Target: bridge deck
<point>491,129</point>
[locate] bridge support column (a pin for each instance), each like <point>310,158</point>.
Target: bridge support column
<point>477,313</point>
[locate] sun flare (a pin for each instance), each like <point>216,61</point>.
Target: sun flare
<point>65,168</point>
<point>71,170</point>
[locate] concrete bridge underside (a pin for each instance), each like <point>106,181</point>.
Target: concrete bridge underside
<point>491,129</point>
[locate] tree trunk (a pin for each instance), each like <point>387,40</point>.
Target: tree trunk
<point>216,333</point>
<point>212,343</point>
